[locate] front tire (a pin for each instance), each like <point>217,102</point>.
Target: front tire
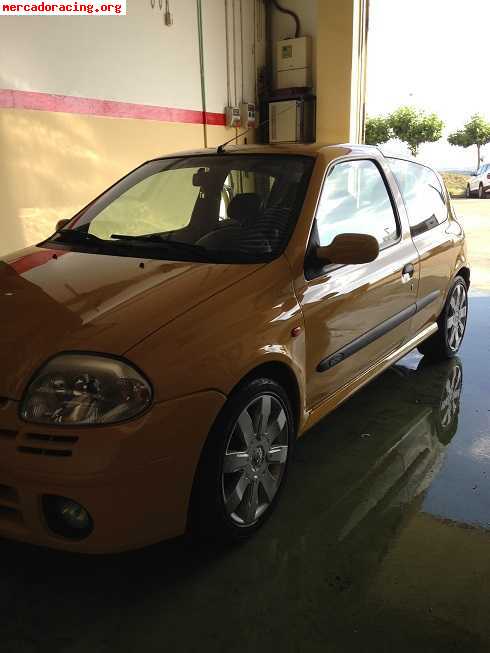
<point>481,192</point>
<point>445,343</point>
<point>468,192</point>
<point>244,463</point>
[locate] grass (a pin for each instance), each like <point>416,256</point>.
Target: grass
<point>456,183</point>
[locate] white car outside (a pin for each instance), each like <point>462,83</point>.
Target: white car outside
<point>479,183</point>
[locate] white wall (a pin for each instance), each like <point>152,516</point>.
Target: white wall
<point>133,58</point>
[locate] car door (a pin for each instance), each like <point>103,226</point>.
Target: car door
<point>475,180</point>
<point>435,236</point>
<point>485,177</point>
<point>356,314</point>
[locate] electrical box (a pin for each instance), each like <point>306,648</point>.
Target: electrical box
<point>248,115</point>
<point>293,63</point>
<point>292,121</point>
<point>232,116</point>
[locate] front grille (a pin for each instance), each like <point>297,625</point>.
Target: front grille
<point>42,444</point>
<point>9,505</point>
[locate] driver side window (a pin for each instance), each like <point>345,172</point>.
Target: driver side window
<point>355,199</point>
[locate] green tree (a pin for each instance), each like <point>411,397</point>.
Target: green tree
<point>415,127</point>
<point>378,131</point>
<point>475,132</point>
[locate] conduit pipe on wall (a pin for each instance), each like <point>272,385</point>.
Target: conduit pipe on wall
<point>268,47</point>
<point>241,47</point>
<point>227,39</point>
<point>201,66</point>
<point>234,53</point>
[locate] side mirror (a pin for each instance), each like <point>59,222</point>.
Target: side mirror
<point>349,249</point>
<point>61,224</point>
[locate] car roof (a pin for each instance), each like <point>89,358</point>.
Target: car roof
<point>302,149</point>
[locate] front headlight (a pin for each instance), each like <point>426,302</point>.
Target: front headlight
<point>85,389</point>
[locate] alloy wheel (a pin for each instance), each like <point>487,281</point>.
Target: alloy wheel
<point>451,397</point>
<point>457,316</point>
<point>255,459</point>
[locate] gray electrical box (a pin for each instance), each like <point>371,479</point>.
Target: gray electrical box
<point>232,116</point>
<point>293,63</point>
<point>292,121</point>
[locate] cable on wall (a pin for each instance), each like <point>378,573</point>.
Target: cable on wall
<point>167,14</point>
<point>241,47</point>
<point>255,39</point>
<point>228,84</point>
<point>234,53</point>
<point>291,13</point>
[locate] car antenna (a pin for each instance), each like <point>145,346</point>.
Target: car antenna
<point>221,148</point>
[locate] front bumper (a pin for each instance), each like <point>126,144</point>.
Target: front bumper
<point>135,479</point>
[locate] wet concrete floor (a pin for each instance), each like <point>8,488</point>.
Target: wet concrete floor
<point>380,543</point>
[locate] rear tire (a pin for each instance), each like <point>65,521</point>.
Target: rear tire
<point>445,343</point>
<point>447,412</point>
<point>468,192</point>
<point>244,463</point>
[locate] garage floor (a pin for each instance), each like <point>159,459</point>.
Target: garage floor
<point>380,542</point>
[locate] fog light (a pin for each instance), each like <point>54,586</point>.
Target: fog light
<point>67,518</point>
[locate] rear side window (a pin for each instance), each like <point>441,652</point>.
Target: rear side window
<point>355,199</point>
<point>423,194</point>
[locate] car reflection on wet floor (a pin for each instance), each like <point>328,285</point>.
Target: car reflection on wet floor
<point>380,542</point>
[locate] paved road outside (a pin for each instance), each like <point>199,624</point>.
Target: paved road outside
<point>475,216</point>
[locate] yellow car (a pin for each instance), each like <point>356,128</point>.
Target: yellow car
<point>163,349</point>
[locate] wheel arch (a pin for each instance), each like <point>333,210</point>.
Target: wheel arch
<point>277,371</point>
<point>283,374</point>
<point>465,273</point>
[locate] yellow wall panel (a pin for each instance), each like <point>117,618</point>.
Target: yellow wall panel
<point>52,164</point>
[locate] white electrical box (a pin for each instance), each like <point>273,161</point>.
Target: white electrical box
<point>292,121</point>
<point>248,114</point>
<point>232,116</point>
<point>293,63</point>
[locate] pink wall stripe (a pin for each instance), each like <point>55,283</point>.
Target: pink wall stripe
<point>11,99</point>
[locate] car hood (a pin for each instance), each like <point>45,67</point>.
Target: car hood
<point>57,300</point>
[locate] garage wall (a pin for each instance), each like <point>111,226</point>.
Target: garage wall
<point>85,99</point>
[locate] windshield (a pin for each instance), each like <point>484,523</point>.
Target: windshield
<point>226,207</point>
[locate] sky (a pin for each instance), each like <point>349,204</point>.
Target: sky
<point>435,55</point>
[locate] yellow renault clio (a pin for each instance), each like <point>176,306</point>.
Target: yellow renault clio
<point>163,349</point>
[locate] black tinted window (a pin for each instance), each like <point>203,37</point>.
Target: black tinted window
<point>423,194</point>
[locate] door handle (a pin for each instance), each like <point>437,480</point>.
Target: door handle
<point>407,272</point>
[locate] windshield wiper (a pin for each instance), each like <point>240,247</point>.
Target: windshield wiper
<point>169,244</point>
<point>122,242</point>
<point>152,238</point>
<point>76,236</point>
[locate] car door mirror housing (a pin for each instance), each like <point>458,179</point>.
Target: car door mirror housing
<point>349,249</point>
<point>61,224</point>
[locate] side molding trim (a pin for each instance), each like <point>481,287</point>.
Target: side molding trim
<point>375,333</point>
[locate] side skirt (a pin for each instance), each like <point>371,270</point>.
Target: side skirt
<point>346,391</point>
